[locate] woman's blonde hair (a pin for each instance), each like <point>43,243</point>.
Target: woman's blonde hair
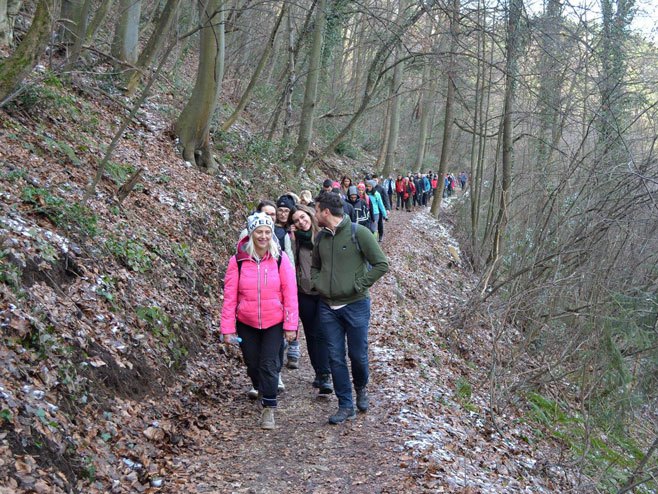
<point>305,197</point>
<point>273,249</point>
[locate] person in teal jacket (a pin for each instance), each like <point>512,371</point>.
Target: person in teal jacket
<point>345,263</point>
<point>378,207</point>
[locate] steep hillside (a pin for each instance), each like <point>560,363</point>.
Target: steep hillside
<point>111,375</point>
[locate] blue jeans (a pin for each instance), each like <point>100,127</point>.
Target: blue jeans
<point>351,322</point>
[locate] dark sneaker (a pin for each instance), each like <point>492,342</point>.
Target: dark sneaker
<point>362,399</point>
<point>293,363</point>
<point>342,415</point>
<point>316,381</point>
<point>325,384</point>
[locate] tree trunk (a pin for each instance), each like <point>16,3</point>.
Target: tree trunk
<point>98,19</point>
<point>448,120</point>
<point>21,62</point>
<point>394,115</point>
<point>156,40</point>
<point>78,33</point>
<point>292,78</point>
<point>70,19</point>
<point>246,96</point>
<point>386,130</point>
<point>425,105</point>
<point>8,11</point>
<point>511,66</point>
<point>126,34</point>
<point>193,126</point>
<point>311,88</point>
<point>394,126</point>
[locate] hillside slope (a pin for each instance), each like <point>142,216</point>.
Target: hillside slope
<point>111,375</point>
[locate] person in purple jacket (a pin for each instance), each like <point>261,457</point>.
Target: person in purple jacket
<point>260,307</point>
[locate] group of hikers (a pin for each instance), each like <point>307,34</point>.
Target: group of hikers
<point>332,257</point>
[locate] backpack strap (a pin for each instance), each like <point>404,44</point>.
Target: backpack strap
<point>278,264</point>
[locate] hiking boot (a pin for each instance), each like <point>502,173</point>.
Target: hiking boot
<point>293,354</point>
<point>267,418</point>
<point>252,394</point>
<point>316,381</point>
<point>342,415</point>
<point>280,386</point>
<point>362,399</point>
<point>325,384</point>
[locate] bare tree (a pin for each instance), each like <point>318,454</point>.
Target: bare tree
<point>193,125</point>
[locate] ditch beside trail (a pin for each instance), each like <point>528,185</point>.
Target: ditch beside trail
<point>420,434</point>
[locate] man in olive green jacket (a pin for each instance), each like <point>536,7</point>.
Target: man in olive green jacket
<point>347,260</point>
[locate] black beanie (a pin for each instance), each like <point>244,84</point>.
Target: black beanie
<point>285,201</point>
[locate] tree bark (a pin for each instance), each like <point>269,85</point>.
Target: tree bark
<point>448,119</point>
<point>311,88</point>
<point>394,116</point>
<point>425,104</point>
<point>21,62</point>
<point>78,33</point>
<point>193,125</point>
<point>97,20</point>
<point>156,40</point>
<point>511,69</point>
<point>8,11</point>
<point>126,34</point>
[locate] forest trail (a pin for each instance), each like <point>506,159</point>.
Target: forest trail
<point>418,435</point>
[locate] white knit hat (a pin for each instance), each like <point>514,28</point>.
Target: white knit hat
<point>259,219</point>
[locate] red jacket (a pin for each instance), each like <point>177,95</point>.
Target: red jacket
<point>410,189</point>
<point>261,294</point>
<point>399,185</point>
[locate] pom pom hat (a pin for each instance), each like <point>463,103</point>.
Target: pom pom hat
<point>259,219</point>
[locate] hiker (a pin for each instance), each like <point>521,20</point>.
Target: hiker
<point>260,307</point>
<point>306,198</point>
<point>361,206</point>
<point>408,192</point>
<point>345,183</point>
<point>303,224</point>
<point>399,192</point>
<point>283,206</point>
<point>342,276</point>
<point>378,209</point>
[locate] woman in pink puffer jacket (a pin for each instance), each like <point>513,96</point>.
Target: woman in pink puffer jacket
<point>260,307</point>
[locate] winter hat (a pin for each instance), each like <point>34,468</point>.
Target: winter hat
<point>371,183</point>
<point>285,201</point>
<point>259,219</point>
<point>361,186</point>
<point>327,183</point>
<point>352,191</point>
<point>335,185</point>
